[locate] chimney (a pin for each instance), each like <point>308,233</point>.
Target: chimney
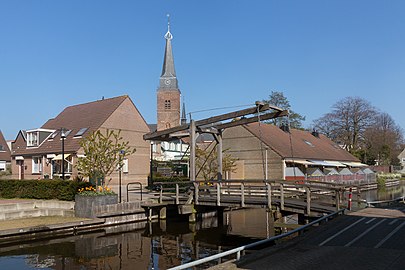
<point>315,133</point>
<point>284,127</point>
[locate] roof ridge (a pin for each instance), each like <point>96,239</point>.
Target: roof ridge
<point>94,101</point>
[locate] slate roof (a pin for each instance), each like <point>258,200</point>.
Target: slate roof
<point>304,144</point>
<point>5,154</point>
<point>88,115</point>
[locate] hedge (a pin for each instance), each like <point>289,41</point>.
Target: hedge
<point>64,190</point>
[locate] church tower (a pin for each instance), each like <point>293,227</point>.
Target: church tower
<point>168,93</point>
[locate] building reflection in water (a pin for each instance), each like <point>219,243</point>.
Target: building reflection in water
<point>156,245</point>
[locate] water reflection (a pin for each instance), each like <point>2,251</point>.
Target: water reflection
<point>157,245</point>
<point>384,193</point>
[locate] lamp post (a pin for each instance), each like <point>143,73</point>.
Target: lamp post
<point>63,137</point>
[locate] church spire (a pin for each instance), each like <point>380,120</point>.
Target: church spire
<point>183,119</point>
<point>168,76</point>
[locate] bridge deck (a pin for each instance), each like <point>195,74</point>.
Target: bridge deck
<point>368,239</point>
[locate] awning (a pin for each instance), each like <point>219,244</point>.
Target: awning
<point>335,163</point>
<point>355,164</point>
<point>59,157</point>
<point>298,161</point>
<point>321,163</point>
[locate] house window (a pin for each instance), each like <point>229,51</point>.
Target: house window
<point>168,105</point>
<point>36,164</point>
<point>32,139</point>
<point>2,149</point>
<point>125,165</point>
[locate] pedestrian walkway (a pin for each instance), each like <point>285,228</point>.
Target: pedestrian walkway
<point>368,239</point>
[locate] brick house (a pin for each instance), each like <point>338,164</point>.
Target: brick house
<point>5,155</point>
<point>275,154</point>
<point>37,153</point>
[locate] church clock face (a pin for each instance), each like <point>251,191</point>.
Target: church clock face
<point>168,82</point>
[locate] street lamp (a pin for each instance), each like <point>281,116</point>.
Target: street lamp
<point>63,137</point>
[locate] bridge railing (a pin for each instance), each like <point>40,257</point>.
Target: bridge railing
<point>246,191</point>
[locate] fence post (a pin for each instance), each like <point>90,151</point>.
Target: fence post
<point>218,194</point>
<point>281,196</point>
<point>308,193</point>
<point>268,185</point>
<point>177,193</point>
<point>242,189</point>
<point>349,202</point>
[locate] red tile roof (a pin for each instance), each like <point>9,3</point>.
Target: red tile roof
<point>304,144</point>
<point>88,115</point>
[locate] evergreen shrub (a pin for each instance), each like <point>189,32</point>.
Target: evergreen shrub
<point>64,190</point>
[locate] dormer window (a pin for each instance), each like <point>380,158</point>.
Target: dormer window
<point>32,138</point>
<point>168,105</point>
<point>36,136</point>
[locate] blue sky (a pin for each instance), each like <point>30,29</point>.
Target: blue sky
<point>54,54</point>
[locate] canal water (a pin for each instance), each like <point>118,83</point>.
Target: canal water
<point>156,245</point>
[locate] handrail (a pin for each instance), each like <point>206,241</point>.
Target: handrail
<point>134,189</point>
<point>248,246</point>
<point>386,201</point>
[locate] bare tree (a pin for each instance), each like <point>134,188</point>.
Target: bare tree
<point>347,122</point>
<point>384,141</point>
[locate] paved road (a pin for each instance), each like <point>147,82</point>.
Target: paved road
<point>369,239</point>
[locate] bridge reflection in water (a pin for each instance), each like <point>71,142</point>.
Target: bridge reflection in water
<point>156,245</point>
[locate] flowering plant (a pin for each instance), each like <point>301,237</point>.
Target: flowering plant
<point>92,191</point>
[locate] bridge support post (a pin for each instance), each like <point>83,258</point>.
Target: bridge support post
<point>196,192</point>
<point>162,213</point>
<point>242,190</point>
<point>268,187</point>
<point>218,194</point>
<point>308,201</point>
<point>337,199</point>
<point>281,196</point>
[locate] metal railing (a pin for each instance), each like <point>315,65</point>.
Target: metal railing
<point>134,189</point>
<point>238,250</point>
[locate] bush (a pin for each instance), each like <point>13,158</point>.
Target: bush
<point>41,189</point>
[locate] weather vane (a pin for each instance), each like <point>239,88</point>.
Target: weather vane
<point>168,34</point>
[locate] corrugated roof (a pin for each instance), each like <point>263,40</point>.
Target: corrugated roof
<point>88,115</point>
<point>304,144</point>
